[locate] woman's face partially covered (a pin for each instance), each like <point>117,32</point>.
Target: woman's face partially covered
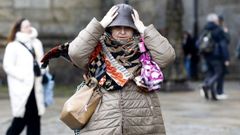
<point>26,27</point>
<point>122,33</point>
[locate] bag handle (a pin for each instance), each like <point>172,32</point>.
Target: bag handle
<point>90,81</point>
<point>141,45</point>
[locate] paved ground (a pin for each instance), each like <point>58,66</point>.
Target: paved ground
<point>184,112</point>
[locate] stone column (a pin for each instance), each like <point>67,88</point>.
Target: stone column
<point>176,74</point>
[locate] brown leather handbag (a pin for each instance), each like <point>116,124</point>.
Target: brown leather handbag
<point>79,108</point>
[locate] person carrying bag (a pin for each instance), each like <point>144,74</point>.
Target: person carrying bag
<point>108,50</point>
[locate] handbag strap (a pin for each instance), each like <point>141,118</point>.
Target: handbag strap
<point>32,51</point>
<point>92,82</point>
<point>89,81</point>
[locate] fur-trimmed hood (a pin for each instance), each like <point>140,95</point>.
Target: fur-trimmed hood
<point>25,38</point>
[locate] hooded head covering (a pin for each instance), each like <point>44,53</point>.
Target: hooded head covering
<point>212,17</point>
<point>124,17</point>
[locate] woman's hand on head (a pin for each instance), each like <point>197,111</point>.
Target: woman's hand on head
<point>108,18</point>
<point>138,23</point>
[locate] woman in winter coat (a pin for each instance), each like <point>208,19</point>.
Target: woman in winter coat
<point>24,81</point>
<point>125,109</point>
<point>108,50</point>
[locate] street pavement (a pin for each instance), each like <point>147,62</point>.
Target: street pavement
<point>184,113</point>
<point>187,113</point>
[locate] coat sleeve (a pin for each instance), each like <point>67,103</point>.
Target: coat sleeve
<point>9,65</point>
<point>161,50</point>
<point>82,46</point>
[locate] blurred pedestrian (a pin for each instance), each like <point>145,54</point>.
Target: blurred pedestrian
<point>220,83</point>
<point>213,47</point>
<point>21,64</point>
<point>191,57</point>
<point>224,27</point>
<point>108,50</point>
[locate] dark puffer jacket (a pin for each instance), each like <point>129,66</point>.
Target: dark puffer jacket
<point>219,37</point>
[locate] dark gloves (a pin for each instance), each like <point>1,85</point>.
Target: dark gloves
<point>60,50</point>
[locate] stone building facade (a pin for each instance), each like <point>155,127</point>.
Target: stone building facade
<point>59,21</point>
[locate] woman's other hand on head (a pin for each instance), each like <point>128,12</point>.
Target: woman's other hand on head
<point>138,23</point>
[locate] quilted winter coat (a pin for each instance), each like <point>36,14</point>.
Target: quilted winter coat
<point>126,111</point>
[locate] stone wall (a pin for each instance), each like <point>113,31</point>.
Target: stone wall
<point>60,20</point>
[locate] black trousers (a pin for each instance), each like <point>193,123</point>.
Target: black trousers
<point>31,119</point>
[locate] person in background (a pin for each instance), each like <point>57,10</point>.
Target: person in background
<point>190,56</point>
<point>220,84</point>
<point>21,64</point>
<point>217,58</point>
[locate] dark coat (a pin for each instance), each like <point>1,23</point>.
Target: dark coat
<point>221,43</point>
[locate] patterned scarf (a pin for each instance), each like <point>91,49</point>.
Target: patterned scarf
<point>126,54</point>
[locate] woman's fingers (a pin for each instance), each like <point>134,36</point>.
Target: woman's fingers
<point>136,14</point>
<point>133,17</point>
<point>113,8</point>
<point>138,23</point>
<point>112,11</point>
<point>115,14</point>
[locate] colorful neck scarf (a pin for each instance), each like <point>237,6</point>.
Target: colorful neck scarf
<point>109,72</point>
